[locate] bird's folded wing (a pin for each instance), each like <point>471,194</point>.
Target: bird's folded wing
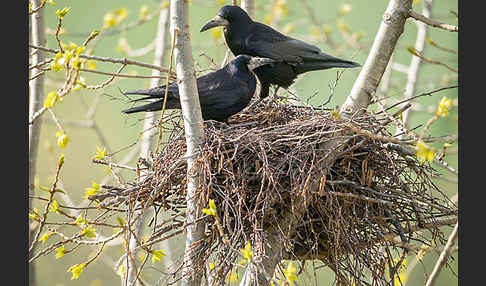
<point>155,92</point>
<point>281,48</point>
<point>226,94</point>
<point>269,43</point>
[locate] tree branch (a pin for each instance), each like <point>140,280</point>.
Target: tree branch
<point>36,90</point>
<point>106,59</point>
<point>193,126</point>
<point>430,22</point>
<point>446,252</point>
<point>363,89</point>
<point>384,44</point>
<point>147,138</point>
<point>414,67</point>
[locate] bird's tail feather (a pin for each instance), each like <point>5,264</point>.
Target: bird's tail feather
<point>152,92</point>
<point>141,98</point>
<point>311,66</point>
<point>153,106</point>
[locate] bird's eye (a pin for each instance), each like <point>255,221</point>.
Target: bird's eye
<point>225,16</point>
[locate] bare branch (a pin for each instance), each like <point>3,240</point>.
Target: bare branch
<point>122,75</point>
<point>147,139</point>
<point>430,22</point>
<point>414,67</point>
<point>431,61</point>
<point>106,59</point>
<point>443,257</point>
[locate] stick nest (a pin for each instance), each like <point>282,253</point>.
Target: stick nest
<point>361,212</point>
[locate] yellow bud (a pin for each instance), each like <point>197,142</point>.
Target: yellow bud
<point>424,152</point>
<point>343,26</point>
<point>76,270</point>
<point>63,12</point>
<point>62,139</point>
<point>60,161</point>
<point>78,63</point>
<point>109,20</point>
<point>143,11</point>
<point>413,51</point>
<point>344,9</point>
<point>121,14</point>
<point>444,105</point>
<point>165,4</point>
<point>51,99</point>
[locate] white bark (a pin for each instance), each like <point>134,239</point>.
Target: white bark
<point>147,140</point>
<point>161,52</point>
<point>358,100</point>
<point>249,7</point>
<point>36,90</point>
<point>385,81</point>
<point>389,32</point>
<point>415,63</point>
<point>193,126</point>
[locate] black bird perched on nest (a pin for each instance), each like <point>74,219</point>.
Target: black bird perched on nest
<point>222,93</point>
<point>294,57</point>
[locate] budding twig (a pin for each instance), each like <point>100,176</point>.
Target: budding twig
<point>430,22</point>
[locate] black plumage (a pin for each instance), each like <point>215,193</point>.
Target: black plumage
<point>294,57</point>
<point>222,93</point>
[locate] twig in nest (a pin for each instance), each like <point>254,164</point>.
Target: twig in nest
<point>267,157</point>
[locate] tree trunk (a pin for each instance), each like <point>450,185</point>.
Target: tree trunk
<point>357,101</point>
<point>383,46</point>
<point>36,89</point>
<point>193,126</point>
<point>415,63</point>
<point>147,140</point>
<point>249,7</point>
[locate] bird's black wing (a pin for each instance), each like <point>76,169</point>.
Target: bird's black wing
<point>264,41</point>
<point>221,90</point>
<point>205,82</point>
<point>156,92</point>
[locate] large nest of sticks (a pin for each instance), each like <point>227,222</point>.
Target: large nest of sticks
<point>361,212</point>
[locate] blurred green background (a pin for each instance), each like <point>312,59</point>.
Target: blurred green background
<point>360,20</point>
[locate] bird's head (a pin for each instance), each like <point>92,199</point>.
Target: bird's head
<point>251,62</point>
<point>226,16</point>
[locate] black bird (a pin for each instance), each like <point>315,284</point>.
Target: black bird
<point>294,57</point>
<point>222,93</point>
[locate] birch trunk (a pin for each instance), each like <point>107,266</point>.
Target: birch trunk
<point>36,90</point>
<point>389,32</point>
<point>249,7</point>
<point>193,126</point>
<point>147,141</point>
<point>416,62</point>
<point>357,101</point>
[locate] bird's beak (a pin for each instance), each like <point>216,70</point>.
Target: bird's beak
<point>215,22</point>
<point>256,62</point>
